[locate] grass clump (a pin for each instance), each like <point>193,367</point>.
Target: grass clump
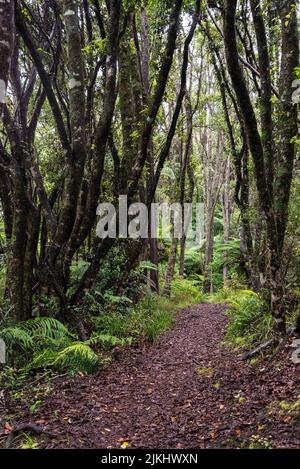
<point>152,315</point>
<point>186,292</point>
<point>156,323</point>
<point>148,319</point>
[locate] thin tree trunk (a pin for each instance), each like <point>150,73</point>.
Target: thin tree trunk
<point>7,32</point>
<point>227,209</point>
<point>170,268</point>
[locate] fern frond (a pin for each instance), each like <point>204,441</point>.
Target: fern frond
<point>48,328</point>
<point>77,357</point>
<point>109,340</point>
<point>16,337</point>
<point>43,359</point>
<point>249,293</point>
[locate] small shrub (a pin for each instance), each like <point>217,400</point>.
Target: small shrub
<point>250,321</point>
<point>186,292</point>
<point>159,322</point>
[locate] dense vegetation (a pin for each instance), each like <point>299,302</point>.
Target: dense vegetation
<point>183,101</point>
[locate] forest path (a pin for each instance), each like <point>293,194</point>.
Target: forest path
<point>187,390</point>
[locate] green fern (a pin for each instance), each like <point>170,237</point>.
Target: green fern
<point>28,335</point>
<point>16,337</point>
<point>143,265</point>
<point>77,357</point>
<point>49,344</point>
<point>48,328</point>
<point>108,340</point>
<point>44,359</point>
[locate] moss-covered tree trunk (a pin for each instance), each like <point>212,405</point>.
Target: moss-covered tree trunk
<point>273,196</point>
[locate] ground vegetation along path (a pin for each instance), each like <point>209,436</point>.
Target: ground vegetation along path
<point>188,390</point>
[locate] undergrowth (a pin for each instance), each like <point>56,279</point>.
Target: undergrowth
<point>250,321</point>
<point>153,315</point>
<point>44,343</point>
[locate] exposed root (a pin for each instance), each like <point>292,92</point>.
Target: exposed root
<point>27,427</point>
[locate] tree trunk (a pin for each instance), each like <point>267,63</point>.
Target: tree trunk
<point>7,30</point>
<point>227,209</point>
<point>273,203</point>
<point>170,268</point>
<point>209,246</point>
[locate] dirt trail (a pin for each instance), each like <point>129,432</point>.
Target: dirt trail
<point>186,391</point>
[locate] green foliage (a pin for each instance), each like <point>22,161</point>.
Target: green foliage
<point>109,341</point>
<point>113,324</point>
<point>35,406</point>
<point>230,252</point>
<point>16,338</point>
<point>291,409</point>
<point>77,357</point>
<point>159,322</point>
<point>226,254</point>
<point>186,292</point>
<point>78,269</point>
<point>250,321</point>
<point>104,295</point>
<point>42,360</point>
<point>95,48</point>
<point>48,328</point>
<point>168,172</point>
<point>47,343</point>
<point>28,442</point>
<point>147,319</point>
<point>192,264</point>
